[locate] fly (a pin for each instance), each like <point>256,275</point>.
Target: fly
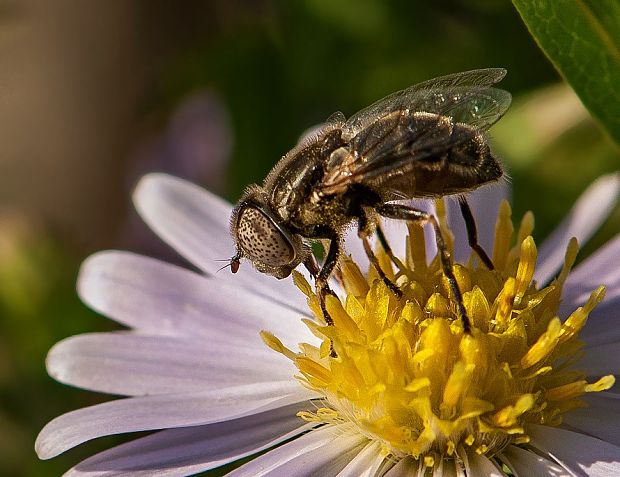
<point>426,141</point>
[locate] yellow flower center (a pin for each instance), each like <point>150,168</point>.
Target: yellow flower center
<point>407,375</point>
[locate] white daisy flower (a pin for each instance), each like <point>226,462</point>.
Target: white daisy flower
<point>407,394</point>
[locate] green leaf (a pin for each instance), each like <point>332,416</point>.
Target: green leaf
<point>582,40</point>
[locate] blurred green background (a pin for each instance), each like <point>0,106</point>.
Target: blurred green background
<point>94,94</point>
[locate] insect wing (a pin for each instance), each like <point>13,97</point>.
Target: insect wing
<point>395,131</point>
<point>386,146</point>
<point>418,123</point>
<point>390,144</point>
<point>467,93</point>
<point>481,77</point>
<point>480,108</point>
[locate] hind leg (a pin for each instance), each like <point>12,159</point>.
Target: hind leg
<point>404,212</point>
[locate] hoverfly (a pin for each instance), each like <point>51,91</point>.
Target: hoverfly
<point>426,141</point>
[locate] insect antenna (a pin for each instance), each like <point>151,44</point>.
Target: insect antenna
<point>223,267</point>
<point>233,263</point>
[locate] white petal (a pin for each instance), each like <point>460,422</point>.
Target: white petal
<point>484,203</point>
<point>165,201</point>
<point>132,364</point>
<point>480,465</point>
<point>160,298</point>
<point>404,468</point>
<point>446,468</point>
<point>164,411</point>
<point>190,450</point>
<point>603,325</point>
<point>583,455</point>
<point>396,232</point>
<point>602,360</point>
<point>600,419</point>
<point>590,211</point>
<point>353,247</point>
<point>322,452</point>
<point>364,464</point>
<point>195,223</point>
<point>527,464</point>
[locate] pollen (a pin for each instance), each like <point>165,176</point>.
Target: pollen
<point>405,374</point>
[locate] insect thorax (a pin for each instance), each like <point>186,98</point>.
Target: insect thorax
<point>290,183</point>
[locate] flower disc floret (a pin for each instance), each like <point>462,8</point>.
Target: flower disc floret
<point>407,376</point>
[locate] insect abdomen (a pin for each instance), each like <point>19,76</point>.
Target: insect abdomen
<point>435,157</point>
<point>461,168</point>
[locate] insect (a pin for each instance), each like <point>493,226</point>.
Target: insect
<point>426,141</point>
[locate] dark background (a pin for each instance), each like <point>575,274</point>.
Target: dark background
<point>95,94</point>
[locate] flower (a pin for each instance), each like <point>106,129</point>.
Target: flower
<point>407,394</point>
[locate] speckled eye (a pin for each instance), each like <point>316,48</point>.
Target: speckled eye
<point>261,240</point>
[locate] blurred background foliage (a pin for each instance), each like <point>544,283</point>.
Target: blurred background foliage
<point>95,94</point>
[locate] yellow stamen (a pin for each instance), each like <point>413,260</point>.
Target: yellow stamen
<point>275,344</point>
<point>603,384</point>
<point>503,236</point>
<point>525,229</point>
<point>406,375</point>
<point>576,321</point>
<point>544,345</point>
<point>353,279</point>
<point>525,272</point>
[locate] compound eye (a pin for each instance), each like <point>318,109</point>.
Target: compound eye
<point>261,240</point>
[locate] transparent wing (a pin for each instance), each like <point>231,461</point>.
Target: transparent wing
<point>467,97</point>
<point>403,146</point>
<point>391,143</point>
<point>392,146</point>
<point>481,77</point>
<point>475,106</point>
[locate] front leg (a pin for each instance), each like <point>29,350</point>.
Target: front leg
<point>404,212</point>
<point>321,277</point>
<point>312,266</point>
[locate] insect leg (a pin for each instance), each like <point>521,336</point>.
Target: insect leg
<point>472,233</point>
<point>403,212</point>
<point>321,280</point>
<point>326,270</point>
<point>387,248</point>
<point>385,244</point>
<point>312,266</point>
<point>363,234</point>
